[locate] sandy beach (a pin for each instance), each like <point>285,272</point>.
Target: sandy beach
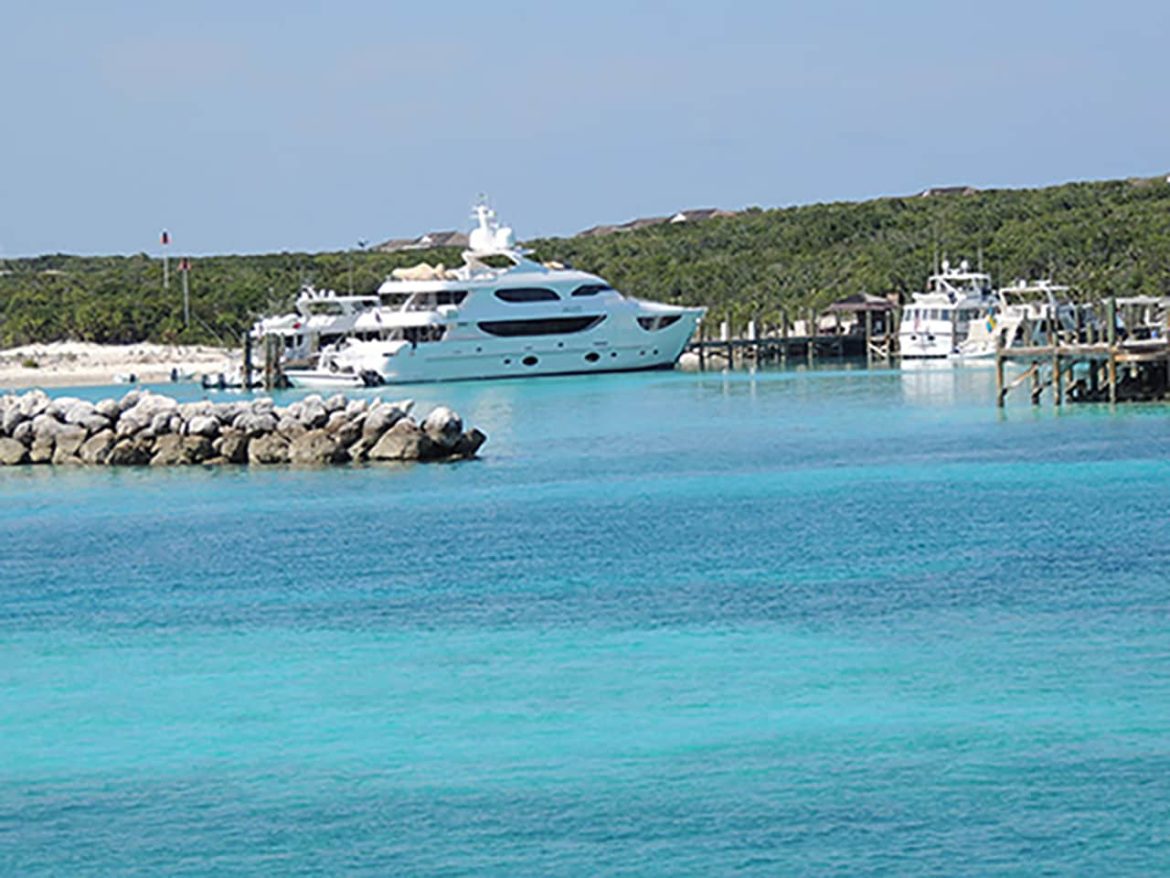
<point>71,363</point>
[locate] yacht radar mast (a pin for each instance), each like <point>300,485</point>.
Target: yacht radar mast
<point>489,237</point>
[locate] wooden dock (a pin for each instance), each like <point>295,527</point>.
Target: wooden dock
<point>785,343</point>
<point>1122,361</point>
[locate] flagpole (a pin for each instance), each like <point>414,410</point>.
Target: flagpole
<point>165,238</point>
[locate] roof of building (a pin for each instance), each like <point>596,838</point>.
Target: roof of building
<point>947,190</point>
<point>446,238</point>
<point>859,303</point>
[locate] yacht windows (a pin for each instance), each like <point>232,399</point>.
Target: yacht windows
<point>527,294</point>
<point>548,326</point>
<point>651,324</point>
<point>591,289</point>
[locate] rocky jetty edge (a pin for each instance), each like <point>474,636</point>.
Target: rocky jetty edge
<point>144,428</point>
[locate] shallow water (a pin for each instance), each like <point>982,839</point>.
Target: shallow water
<point>830,622</point>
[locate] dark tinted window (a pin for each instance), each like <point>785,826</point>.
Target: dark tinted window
<point>450,297</point>
<point>591,289</point>
<point>550,326</point>
<point>527,294</point>
<point>652,323</point>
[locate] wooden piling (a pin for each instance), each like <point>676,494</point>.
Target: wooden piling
<point>246,370</point>
<point>1000,390</point>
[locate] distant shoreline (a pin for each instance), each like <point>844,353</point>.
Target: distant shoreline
<point>71,363</point>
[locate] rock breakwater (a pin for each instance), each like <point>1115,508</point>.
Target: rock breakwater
<point>144,428</point>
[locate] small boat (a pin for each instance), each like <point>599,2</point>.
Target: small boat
<point>349,363</point>
<point>229,381</point>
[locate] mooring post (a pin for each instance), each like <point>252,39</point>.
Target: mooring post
<point>1000,391</point>
<point>811,329</point>
<point>1057,379</point>
<point>1111,340</point>
<point>868,338</point>
<point>247,365</point>
<point>1037,387</point>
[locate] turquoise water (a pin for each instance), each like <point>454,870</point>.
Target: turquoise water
<point>834,622</point>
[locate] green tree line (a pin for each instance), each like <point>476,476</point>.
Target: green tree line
<point>1106,238</point>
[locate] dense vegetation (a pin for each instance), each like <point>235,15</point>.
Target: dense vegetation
<point>1102,238</point>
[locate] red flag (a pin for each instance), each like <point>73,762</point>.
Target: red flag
<point>165,237</point>
<point>184,264</point>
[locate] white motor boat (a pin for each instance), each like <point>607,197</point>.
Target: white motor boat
<point>1025,314</point>
<point>500,314</point>
<point>938,321</point>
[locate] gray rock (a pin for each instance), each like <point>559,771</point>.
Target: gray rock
<point>379,419</point>
<point>356,407</point>
<point>109,408</point>
<point>130,452</point>
<point>335,403</point>
<point>68,441</point>
<point>197,449</point>
<point>203,425</point>
<point>268,448</point>
<point>62,404</point>
<point>41,450</point>
<point>314,415</point>
<point>404,441</point>
<point>34,403</point>
<point>129,425</point>
<point>78,411</point>
<point>45,425</point>
<point>24,433</point>
<point>344,429</point>
<point>95,423</point>
<point>316,447</point>
<point>254,424</point>
<point>168,451</point>
<point>12,453</point>
<point>232,445</point>
<point>160,424</point>
<point>469,444</point>
<point>130,400</point>
<point>443,427</point>
<point>97,447</point>
<point>360,450</point>
<point>290,428</point>
<point>13,418</point>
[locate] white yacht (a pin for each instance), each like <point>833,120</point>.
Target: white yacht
<point>1025,313</point>
<point>939,320</point>
<point>500,314</point>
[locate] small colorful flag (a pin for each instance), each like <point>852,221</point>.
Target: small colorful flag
<point>184,264</point>
<point>165,237</point>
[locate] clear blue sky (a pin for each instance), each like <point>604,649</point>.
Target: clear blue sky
<point>261,126</point>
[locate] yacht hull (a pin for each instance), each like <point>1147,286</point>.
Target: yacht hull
<point>615,350</point>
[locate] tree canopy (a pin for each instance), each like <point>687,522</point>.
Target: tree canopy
<point>1107,238</point>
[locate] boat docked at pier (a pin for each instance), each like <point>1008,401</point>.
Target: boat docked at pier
<point>1026,314</point>
<point>500,314</point>
<point>937,322</point>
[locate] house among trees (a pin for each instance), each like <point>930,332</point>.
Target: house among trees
<point>947,190</point>
<point>450,238</point>
<point>683,216</point>
<point>704,213</point>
